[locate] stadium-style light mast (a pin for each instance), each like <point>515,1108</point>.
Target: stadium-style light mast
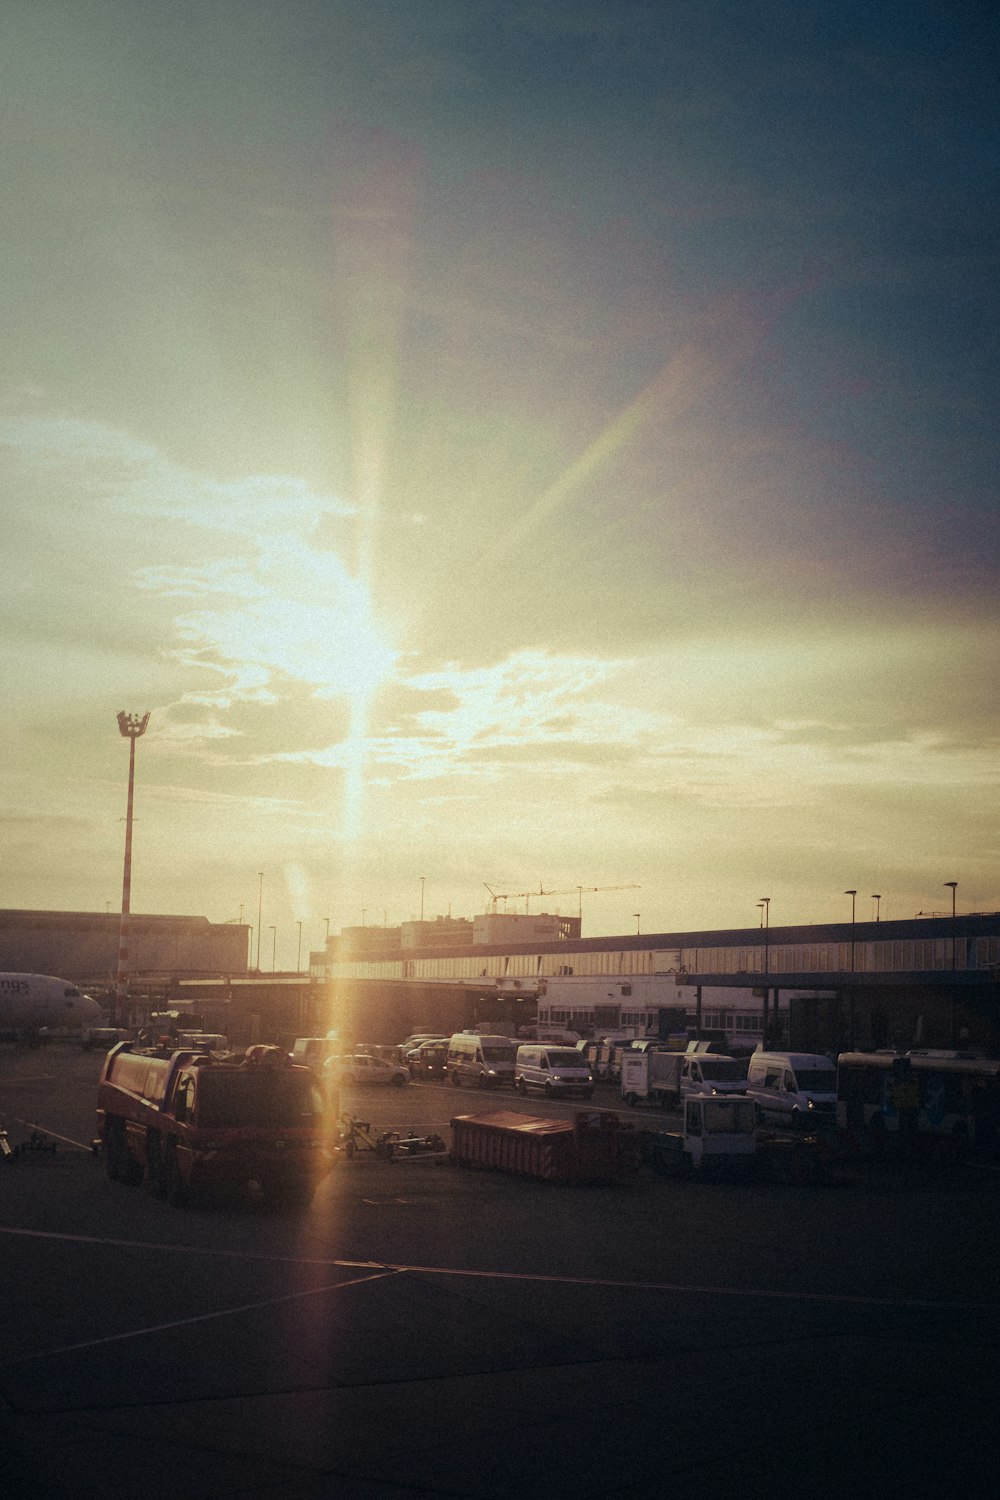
<point>131,727</point>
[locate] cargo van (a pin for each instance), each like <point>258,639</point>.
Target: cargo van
<point>793,1088</point>
<point>481,1060</point>
<point>554,1070</point>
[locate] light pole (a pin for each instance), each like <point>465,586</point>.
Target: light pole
<point>130,727</point>
<point>765,903</point>
<point>636,915</point>
<point>877,899</point>
<point>326,938</point>
<point>298,957</point>
<point>952,885</point>
<point>274,944</point>
<point>765,921</point>
<point>422,879</point>
<point>260,909</point>
<point>853,895</point>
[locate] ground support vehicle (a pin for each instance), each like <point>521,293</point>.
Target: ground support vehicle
<point>102,1036</point>
<point>593,1146</point>
<point>202,1041</point>
<point>37,1144</point>
<point>411,1147</point>
<point>360,1135</point>
<point>666,1078</point>
<point>195,1124</point>
<point>717,1135</point>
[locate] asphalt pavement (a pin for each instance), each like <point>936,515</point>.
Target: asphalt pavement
<point>423,1330</point>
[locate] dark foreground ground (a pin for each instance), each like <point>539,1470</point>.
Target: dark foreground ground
<point>427,1331</point>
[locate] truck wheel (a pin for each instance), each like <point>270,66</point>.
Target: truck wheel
<point>399,1080</point>
<point>113,1149</point>
<point>522,1087</point>
<point>175,1189</point>
<point>121,1165</point>
<point>456,1081</point>
<point>154,1166</point>
<point>631,1100</point>
<point>288,1196</point>
<point>549,1090</point>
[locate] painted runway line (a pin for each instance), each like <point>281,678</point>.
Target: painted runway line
<point>688,1289</point>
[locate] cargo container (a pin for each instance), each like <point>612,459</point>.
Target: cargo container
<point>593,1146</point>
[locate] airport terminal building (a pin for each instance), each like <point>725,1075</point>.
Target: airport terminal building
<point>83,946</point>
<point>929,981</point>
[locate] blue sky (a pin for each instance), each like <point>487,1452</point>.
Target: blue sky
<point>526,444</point>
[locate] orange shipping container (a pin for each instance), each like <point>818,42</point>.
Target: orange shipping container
<point>592,1146</point>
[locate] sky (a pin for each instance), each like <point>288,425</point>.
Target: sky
<point>521,446</point>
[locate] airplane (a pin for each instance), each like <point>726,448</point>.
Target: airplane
<point>29,1002</point>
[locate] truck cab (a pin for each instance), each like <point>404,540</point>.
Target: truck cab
<point>718,1134</point>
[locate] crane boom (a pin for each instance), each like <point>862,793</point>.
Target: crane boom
<point>575,890</point>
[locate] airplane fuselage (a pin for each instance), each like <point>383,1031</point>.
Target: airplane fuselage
<point>30,1001</point>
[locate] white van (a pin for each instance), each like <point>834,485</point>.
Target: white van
<point>553,1069</point>
<point>483,1060</point>
<point>707,1073</point>
<point>793,1088</point>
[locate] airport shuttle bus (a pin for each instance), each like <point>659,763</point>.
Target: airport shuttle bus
<point>949,1100</point>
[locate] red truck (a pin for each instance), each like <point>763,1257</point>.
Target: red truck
<point>194,1123</point>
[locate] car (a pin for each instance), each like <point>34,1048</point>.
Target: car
<point>429,1060</point>
<point>360,1068</point>
<point>411,1043</point>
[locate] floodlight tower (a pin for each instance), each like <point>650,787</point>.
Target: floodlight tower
<point>131,727</point>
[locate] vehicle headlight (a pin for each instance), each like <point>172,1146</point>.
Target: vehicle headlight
<point>491,1073</point>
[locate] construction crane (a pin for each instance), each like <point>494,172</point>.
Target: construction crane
<point>575,890</point>
<point>495,896</point>
<point>581,890</point>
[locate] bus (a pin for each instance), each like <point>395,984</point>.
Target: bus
<point>949,1100</point>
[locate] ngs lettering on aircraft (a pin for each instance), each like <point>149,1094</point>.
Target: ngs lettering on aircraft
<point>29,1002</point>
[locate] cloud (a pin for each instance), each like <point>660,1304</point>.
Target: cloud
<point>120,474</point>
